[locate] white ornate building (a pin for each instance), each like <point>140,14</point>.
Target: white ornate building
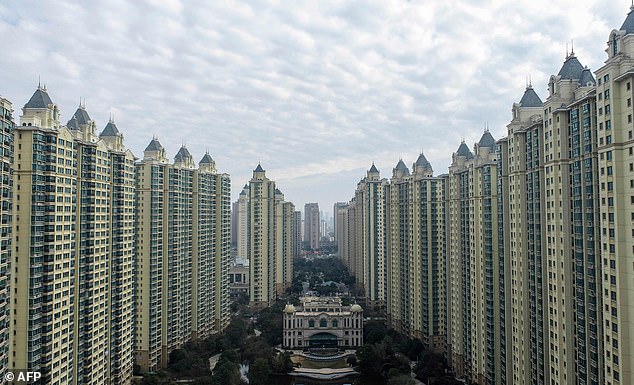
<point>322,322</point>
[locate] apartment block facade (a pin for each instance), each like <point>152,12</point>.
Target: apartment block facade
<point>539,229</point>
<point>183,253</point>
<point>272,239</point>
<point>7,127</point>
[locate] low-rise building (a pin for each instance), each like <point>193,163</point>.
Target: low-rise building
<point>322,322</point>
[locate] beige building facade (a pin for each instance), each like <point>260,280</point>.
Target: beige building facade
<point>322,322</point>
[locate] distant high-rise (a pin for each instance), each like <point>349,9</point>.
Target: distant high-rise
<point>242,207</point>
<point>272,239</point>
<point>261,239</point>
<point>311,225</point>
<point>371,269</point>
<point>6,231</point>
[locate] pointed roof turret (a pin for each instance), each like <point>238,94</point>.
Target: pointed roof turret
<point>244,190</point>
<point>530,98</point>
<point>206,159</point>
<point>422,162</point>
<point>628,24</point>
<point>401,166</point>
<point>259,168</point>
<point>82,115</point>
<point>154,145</point>
<point>373,169</point>
<point>572,68</point>
<point>182,154</point>
<point>487,140</point>
<point>110,129</point>
<point>73,124</point>
<point>400,170</point>
<point>40,99</point>
<point>463,150</point>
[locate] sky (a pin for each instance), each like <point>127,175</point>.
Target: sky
<point>314,90</point>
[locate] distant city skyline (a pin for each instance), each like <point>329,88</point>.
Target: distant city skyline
<point>315,92</point>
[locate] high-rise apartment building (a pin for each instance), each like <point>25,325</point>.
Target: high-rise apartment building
<point>540,235</point>
<point>370,201</point>
<point>122,254</point>
<point>72,317</point>
<point>273,239</point>
<point>7,127</point>
<point>614,95</point>
<point>284,212</point>
<point>570,240</point>
<point>311,225</point>
<point>45,224</point>
<point>261,238</point>
<point>183,253</point>
<point>243,223</point>
<point>477,340</point>
<point>416,253</point>
<point>297,233</point>
<point>525,221</point>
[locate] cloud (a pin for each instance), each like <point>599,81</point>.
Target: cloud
<point>316,91</point>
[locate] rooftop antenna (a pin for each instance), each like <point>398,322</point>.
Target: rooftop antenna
<point>572,47</point>
<point>530,81</point>
<point>566,50</point>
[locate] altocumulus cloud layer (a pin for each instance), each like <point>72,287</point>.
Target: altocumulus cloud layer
<point>316,91</point>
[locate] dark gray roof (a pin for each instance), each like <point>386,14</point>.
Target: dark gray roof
<point>244,190</point>
<point>40,99</point>
<point>487,140</point>
<point>530,98</point>
<point>400,166</point>
<point>373,169</point>
<point>571,69</point>
<point>628,24</point>
<point>110,129</point>
<point>422,162</point>
<point>586,77</point>
<point>463,150</point>
<point>82,116</point>
<point>154,145</point>
<point>206,159</point>
<point>73,124</point>
<point>277,191</point>
<point>259,168</point>
<point>182,154</point>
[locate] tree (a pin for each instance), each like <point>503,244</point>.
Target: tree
<point>401,379</point>
<point>281,363</point>
<point>432,365</point>
<point>259,372</point>
<point>256,347</point>
<point>371,359</point>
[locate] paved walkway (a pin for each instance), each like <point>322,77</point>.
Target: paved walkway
<point>213,360</point>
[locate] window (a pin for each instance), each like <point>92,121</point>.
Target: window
<point>323,323</point>
<point>311,323</point>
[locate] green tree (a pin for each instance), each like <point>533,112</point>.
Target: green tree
<point>281,363</point>
<point>401,379</point>
<point>259,372</point>
<point>371,359</point>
